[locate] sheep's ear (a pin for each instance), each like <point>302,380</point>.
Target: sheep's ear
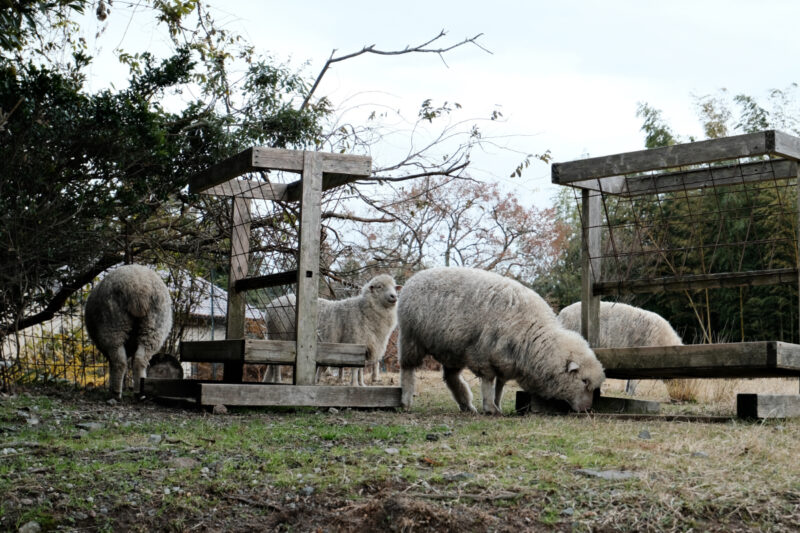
<point>572,366</point>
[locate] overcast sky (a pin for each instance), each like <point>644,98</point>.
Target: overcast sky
<point>567,75</point>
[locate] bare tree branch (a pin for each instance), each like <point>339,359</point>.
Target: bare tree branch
<point>422,48</point>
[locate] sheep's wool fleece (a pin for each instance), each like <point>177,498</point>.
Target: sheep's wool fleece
<point>494,326</point>
<point>623,325</point>
<point>129,300</point>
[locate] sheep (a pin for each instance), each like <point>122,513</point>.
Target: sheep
<point>622,326</point>
<point>367,319</point>
<point>128,316</point>
<point>500,330</point>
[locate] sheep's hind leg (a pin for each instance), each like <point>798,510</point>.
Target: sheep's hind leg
<point>459,388</point>
<point>407,384</point>
<point>139,370</point>
<point>499,383</point>
<point>376,372</point>
<point>489,397</point>
<point>118,366</point>
<point>357,379</point>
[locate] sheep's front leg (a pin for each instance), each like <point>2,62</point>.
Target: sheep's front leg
<point>459,389</point>
<point>118,365</point>
<point>139,370</point>
<point>488,394</point>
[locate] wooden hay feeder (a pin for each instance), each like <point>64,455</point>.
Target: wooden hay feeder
<point>633,256</point>
<point>320,171</point>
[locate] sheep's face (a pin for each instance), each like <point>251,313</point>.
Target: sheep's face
<point>579,373</point>
<point>582,380</point>
<point>383,290</point>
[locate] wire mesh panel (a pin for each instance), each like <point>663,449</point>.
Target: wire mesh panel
<point>714,225</point>
<point>717,214</point>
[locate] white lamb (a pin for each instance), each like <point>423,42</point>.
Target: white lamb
<point>367,319</point>
<point>500,330</point>
<point>128,316</point>
<point>623,326</point>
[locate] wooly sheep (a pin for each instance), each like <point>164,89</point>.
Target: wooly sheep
<point>622,326</point>
<point>128,316</point>
<point>500,330</point>
<point>367,319</point>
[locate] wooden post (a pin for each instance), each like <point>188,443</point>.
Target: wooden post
<point>308,270</point>
<point>240,250</point>
<point>590,264</point>
<point>797,250</point>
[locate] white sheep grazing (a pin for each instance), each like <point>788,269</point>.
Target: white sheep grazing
<point>500,330</point>
<point>128,316</point>
<point>367,319</point>
<point>623,326</point>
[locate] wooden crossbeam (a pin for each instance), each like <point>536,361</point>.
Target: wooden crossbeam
<point>701,178</point>
<point>724,360</point>
<point>284,352</point>
<point>274,352</point>
<point>248,189</point>
<point>263,282</point>
<point>779,276</point>
<point>246,394</point>
<point>336,168</point>
<point>769,142</point>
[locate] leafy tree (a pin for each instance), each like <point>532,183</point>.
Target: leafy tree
<point>90,179</point>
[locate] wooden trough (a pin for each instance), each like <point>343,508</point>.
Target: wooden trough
<point>707,165</point>
<point>319,171</point>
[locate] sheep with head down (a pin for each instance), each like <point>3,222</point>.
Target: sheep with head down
<point>367,319</point>
<point>128,316</point>
<point>500,330</point>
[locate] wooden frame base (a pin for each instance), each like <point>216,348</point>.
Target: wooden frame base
<point>528,403</point>
<point>760,406</point>
<point>266,394</point>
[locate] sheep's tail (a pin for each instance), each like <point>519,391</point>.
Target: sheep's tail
<point>139,304</point>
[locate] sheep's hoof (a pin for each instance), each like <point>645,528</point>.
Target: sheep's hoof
<point>468,409</point>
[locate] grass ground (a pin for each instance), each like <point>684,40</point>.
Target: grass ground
<point>69,461</point>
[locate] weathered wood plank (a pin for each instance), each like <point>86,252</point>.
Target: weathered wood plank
<point>239,266</point>
<point>787,145</point>
<point>221,172</point>
<point>591,264</point>
<point>679,155</point>
<point>258,351</point>
<point>263,282</point>
<point>248,189</point>
<point>262,158</point>
<point>767,405</point>
<point>220,351</point>
<point>293,161</point>
<point>743,359</point>
<point>530,403</point>
<point>797,236</point>
<point>780,276</point>
<point>704,178</point>
<point>308,268</point>
<point>294,189</point>
<point>298,395</point>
